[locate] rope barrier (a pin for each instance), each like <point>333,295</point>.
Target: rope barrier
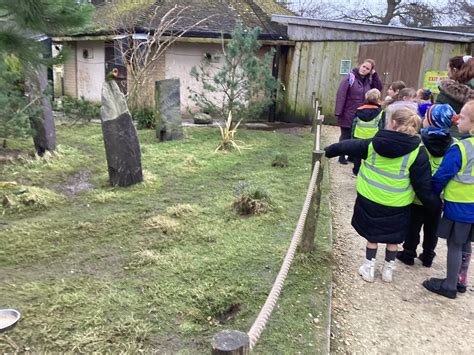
<point>236,342</point>
<point>259,324</point>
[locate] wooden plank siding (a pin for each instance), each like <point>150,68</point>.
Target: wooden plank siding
<point>313,66</point>
<point>436,56</point>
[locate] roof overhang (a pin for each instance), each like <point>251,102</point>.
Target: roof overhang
<point>111,37</point>
<point>310,29</point>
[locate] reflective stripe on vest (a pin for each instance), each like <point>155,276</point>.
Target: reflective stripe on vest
<point>461,187</point>
<point>386,180</point>
<point>366,130</point>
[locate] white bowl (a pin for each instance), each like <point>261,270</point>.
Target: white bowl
<point>8,318</point>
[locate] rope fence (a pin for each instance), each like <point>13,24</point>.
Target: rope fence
<point>236,342</point>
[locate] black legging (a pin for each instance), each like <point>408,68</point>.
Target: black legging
<point>345,134</point>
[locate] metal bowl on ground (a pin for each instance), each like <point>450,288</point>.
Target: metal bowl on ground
<point>8,319</point>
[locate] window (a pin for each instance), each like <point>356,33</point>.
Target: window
<point>345,66</point>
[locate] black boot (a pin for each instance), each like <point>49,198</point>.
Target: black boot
<point>427,258</point>
<point>406,257</point>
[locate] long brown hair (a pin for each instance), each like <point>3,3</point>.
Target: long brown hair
<point>466,72</point>
<point>456,62</point>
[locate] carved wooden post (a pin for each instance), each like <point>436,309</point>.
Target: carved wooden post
<point>231,342</point>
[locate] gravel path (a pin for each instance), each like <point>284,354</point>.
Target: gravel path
<point>401,317</point>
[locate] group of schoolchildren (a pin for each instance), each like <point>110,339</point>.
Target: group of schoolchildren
<point>405,159</point>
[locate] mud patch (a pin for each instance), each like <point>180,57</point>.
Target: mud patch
<point>76,183</point>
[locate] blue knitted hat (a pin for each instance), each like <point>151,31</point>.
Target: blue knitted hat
<point>440,116</point>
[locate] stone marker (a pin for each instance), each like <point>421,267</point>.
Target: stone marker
<point>44,136</point>
<point>122,148</point>
<point>168,114</point>
<point>202,118</point>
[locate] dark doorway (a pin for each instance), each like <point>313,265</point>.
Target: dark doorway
<point>113,59</point>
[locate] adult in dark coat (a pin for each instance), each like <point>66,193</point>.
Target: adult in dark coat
<point>386,224</point>
<point>351,95</point>
<point>459,88</point>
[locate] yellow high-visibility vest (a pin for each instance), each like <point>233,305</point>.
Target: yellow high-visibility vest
<point>366,130</point>
<point>387,180</point>
<point>461,187</point>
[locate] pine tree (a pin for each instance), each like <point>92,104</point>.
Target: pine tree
<point>244,80</point>
<point>22,55</point>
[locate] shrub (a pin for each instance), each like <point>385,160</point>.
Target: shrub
<point>79,109</point>
<point>144,117</point>
<point>250,199</point>
<point>280,160</point>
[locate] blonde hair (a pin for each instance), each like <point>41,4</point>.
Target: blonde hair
<point>406,120</point>
<point>372,96</point>
<point>470,106</point>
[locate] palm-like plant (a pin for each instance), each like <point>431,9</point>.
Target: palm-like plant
<point>228,133</point>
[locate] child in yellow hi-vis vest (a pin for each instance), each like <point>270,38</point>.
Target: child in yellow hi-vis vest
<point>394,167</point>
<point>456,176</point>
<point>369,118</point>
<point>437,140</point>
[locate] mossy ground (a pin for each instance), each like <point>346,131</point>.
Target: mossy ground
<point>164,265</point>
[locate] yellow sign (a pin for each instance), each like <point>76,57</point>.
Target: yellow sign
<point>432,78</point>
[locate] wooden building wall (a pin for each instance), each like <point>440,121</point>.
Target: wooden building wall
<point>314,67</point>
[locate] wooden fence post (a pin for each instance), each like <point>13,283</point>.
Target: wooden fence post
<point>315,104</point>
<point>230,342</point>
<point>310,226</point>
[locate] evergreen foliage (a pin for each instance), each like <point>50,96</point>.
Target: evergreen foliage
<point>14,109</point>
<point>244,80</point>
<point>22,23</point>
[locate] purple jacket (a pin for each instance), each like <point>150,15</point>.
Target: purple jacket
<point>351,95</point>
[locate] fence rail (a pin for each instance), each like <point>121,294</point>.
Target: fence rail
<point>236,342</point>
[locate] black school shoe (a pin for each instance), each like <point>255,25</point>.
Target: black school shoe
<point>462,288</point>
<point>342,160</point>
<point>426,259</point>
<point>436,285</point>
<point>406,258</point>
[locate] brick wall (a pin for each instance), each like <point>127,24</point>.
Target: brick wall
<point>156,72</point>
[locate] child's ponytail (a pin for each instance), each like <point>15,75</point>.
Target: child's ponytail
<point>406,121</point>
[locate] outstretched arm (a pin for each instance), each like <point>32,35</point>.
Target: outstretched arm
<point>356,148</point>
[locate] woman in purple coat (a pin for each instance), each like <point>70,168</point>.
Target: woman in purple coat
<point>351,95</point>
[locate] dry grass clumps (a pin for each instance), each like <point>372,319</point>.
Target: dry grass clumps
<point>164,224</point>
<point>18,198</point>
<point>250,200</point>
<point>180,210</point>
<point>145,257</point>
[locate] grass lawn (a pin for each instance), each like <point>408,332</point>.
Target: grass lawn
<point>164,265</point>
